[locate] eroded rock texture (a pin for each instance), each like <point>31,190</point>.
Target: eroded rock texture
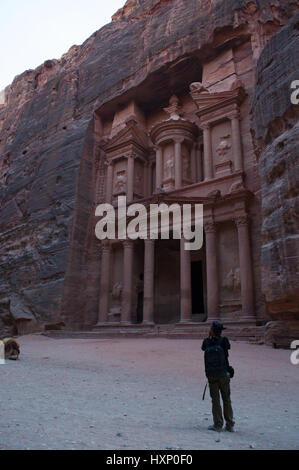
<point>50,160</point>
<point>276,130</point>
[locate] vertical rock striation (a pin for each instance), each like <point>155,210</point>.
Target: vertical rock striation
<point>276,130</point>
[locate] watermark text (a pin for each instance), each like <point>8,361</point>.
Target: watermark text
<point>139,222</point>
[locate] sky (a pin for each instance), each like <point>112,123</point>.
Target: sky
<point>32,31</point>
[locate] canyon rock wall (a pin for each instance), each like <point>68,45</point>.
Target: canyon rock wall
<point>275,127</point>
<point>49,159</point>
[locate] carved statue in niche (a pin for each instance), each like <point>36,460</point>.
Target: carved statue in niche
<point>224,147</point>
<point>120,182</point>
<point>116,295</point>
<point>169,168</point>
<point>117,292</point>
<point>186,164</point>
<point>174,109</point>
<point>233,281</point>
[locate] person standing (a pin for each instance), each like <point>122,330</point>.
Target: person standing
<point>217,370</point>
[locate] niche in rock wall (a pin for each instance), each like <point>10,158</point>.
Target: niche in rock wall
<point>167,281</point>
<point>120,178</point>
<point>168,167</point>
<point>139,182</point>
<point>116,285</point>
<point>222,148</point>
<point>229,271</point>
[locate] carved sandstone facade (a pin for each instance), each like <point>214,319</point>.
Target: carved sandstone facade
<point>190,151</point>
<point>156,106</point>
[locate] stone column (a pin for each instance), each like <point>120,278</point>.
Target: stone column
<point>105,282</point>
<point>130,178</point>
<point>208,152</point>
<point>145,179</point>
<point>194,156</point>
<point>149,271</point>
<point>199,164</point>
<point>126,308</point>
<point>150,178</point>
<point>212,271</point>
<point>237,144</point>
<point>242,223</point>
<point>159,167</point>
<point>109,187</point>
<point>186,289</point>
<point>178,164</point>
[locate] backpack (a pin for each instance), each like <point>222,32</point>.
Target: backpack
<point>215,360</point>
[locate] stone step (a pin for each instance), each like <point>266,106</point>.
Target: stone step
<point>236,332</point>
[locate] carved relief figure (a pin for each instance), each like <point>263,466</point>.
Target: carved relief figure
<point>169,168</point>
<point>138,180</point>
<point>174,108</point>
<point>224,147</point>
<point>117,291</point>
<point>233,281</point>
<point>120,182</point>
<point>116,296</point>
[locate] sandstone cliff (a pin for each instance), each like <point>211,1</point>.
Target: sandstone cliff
<point>276,130</point>
<point>49,159</point>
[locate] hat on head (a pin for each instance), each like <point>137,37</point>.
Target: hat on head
<point>217,327</point>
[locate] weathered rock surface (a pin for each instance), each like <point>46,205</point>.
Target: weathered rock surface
<point>276,130</point>
<point>49,160</point>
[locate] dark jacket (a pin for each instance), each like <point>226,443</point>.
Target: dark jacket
<point>225,344</point>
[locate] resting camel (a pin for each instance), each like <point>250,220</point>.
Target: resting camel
<point>12,348</point>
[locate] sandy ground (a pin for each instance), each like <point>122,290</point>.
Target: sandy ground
<point>142,394</point>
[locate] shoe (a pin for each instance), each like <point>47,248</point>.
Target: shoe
<point>229,428</point>
<point>213,428</point>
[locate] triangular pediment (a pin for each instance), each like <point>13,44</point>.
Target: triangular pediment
<point>206,100</point>
<point>129,135</point>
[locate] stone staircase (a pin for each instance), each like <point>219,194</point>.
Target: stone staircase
<point>235,331</point>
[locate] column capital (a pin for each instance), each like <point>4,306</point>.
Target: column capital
<point>178,140</point>
<point>109,163</point>
<point>206,126</point>
<point>210,226</point>
<point>106,246</point>
<point>235,115</point>
<point>128,244</point>
<point>149,242</point>
<point>242,220</point>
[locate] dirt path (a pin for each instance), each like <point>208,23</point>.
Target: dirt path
<point>142,394</point>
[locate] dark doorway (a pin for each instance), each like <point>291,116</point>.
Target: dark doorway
<point>198,306</point>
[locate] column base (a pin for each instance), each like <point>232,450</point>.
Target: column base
<point>213,318</point>
<point>101,324</point>
<point>248,318</point>
<point>148,323</point>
